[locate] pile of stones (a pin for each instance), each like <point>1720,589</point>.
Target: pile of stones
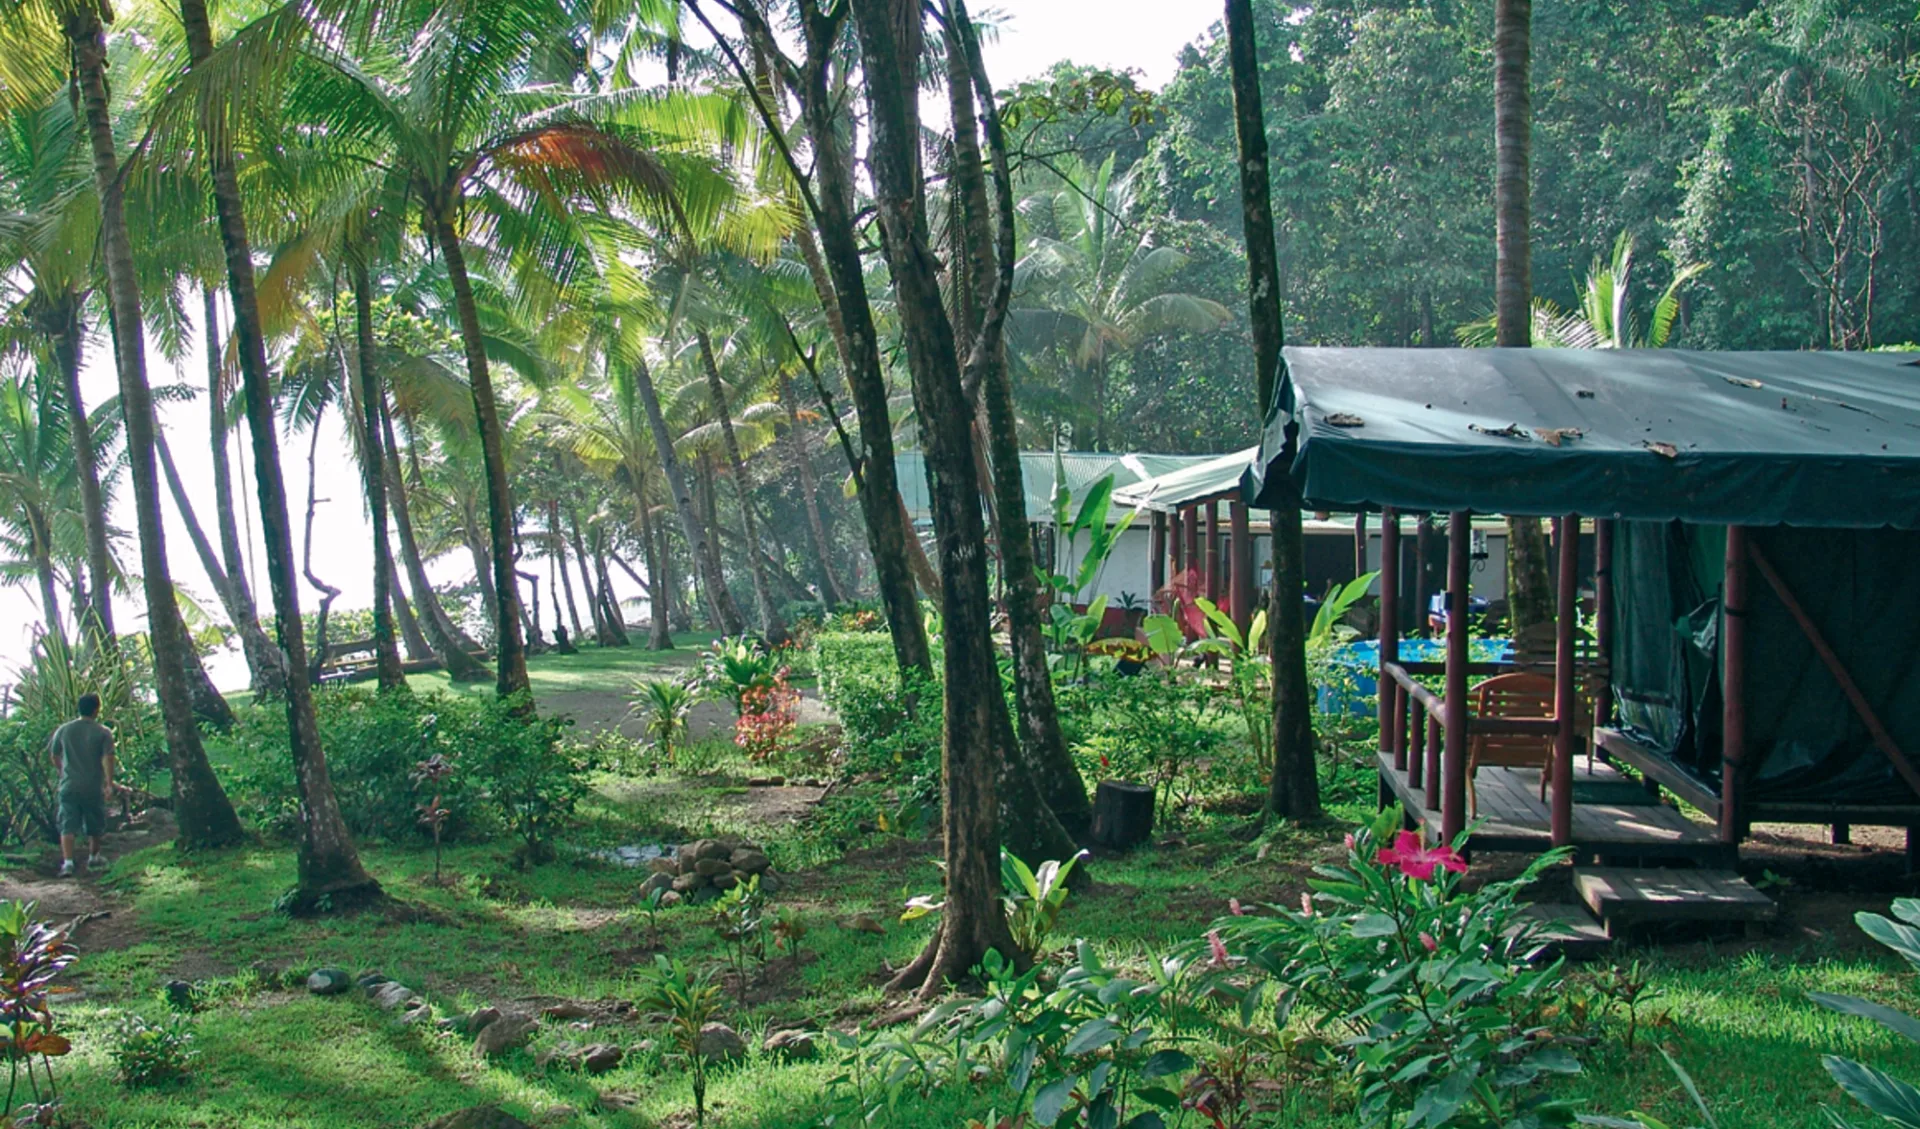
<point>705,868</point>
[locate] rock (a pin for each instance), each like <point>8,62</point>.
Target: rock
<point>726,880</point>
<point>793,1044</point>
<point>451,1025</point>
<point>504,1036</point>
<point>711,849</point>
<point>685,863</point>
<point>759,781</point>
<point>707,868</point>
<point>665,864</point>
<point>371,980</point>
<point>329,982</point>
<point>769,884</point>
<point>618,1100</point>
<point>568,1009</point>
<point>865,924</point>
<point>416,1014</point>
<point>670,898</point>
<point>657,882</point>
<point>179,995</point>
<point>479,1117</point>
<point>391,996</point>
<point>749,860</point>
<point>688,883</point>
<point>601,1057</point>
<point>720,1043</point>
<point>480,1019</point>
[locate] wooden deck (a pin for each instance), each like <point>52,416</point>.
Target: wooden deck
<point>1512,817</point>
<point>1622,899</point>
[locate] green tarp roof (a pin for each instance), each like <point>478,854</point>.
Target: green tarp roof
<point>1081,470</point>
<point>1813,439</point>
<point>1213,478</point>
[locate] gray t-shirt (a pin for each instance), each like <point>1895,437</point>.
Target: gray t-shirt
<point>82,744</point>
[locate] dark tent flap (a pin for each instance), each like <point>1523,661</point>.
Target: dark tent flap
<point>1810,439</point>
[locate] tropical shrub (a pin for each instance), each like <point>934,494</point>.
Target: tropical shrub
<point>1424,993</point>
<point>886,725</point>
<point>149,1054</point>
<point>1032,899</point>
<point>687,1001</point>
<point>1156,727</point>
<point>530,778</point>
<point>666,703</point>
<point>33,954</point>
<point>1882,1093</point>
<point>767,715</point>
<point>733,667</point>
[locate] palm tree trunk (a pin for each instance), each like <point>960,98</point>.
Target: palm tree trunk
<point>557,544</point>
<point>482,562</point>
<point>201,810</point>
<point>510,676</point>
<point>609,606</point>
<point>1529,590</point>
<point>774,627</point>
<point>713,585</point>
<point>373,479</point>
<point>445,639</point>
<point>659,629</point>
<point>1294,789</point>
<point>322,638</point>
<point>66,341</point>
<point>602,633</point>
<point>1044,758</point>
<point>411,637</point>
<point>978,736</point>
<point>224,509</point>
<point>43,569</point>
<point>831,593</point>
<point>328,865</point>
<point>266,665</point>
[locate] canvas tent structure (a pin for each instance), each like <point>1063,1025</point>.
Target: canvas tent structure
<point>1757,620</point>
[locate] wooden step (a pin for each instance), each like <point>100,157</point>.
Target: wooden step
<point>1623,898</point>
<point>1566,928</point>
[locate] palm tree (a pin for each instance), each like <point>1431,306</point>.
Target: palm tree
<point>771,623</point>
<point>1605,318</point>
<point>204,815</point>
<point>49,218</point>
<point>37,481</point>
<point>1096,288</point>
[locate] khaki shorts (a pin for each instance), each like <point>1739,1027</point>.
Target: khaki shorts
<point>83,815</point>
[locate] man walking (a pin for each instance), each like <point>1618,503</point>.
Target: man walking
<point>83,752</point>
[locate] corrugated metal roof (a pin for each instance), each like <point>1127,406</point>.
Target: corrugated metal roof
<point>1079,469</point>
<point>1218,477</point>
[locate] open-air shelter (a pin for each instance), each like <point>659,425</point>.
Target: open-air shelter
<point>1756,634</point>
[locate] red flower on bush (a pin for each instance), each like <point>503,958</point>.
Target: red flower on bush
<point>1412,857</point>
<point>766,716</point>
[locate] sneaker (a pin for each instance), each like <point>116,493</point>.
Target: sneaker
<point>66,868</point>
<point>96,862</point>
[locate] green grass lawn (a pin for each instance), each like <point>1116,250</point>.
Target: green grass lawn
<point>1735,1015</point>
<point>593,669</point>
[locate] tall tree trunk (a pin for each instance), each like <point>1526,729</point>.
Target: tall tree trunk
<point>476,542</point>
<point>265,663</point>
<point>720,606</point>
<point>831,593</point>
<point>602,632</point>
<point>373,478</point>
<point>329,870</point>
<point>322,621</point>
<point>557,545</point>
<point>1530,597</point>
<point>201,809</point>
<point>1044,758</point>
<point>771,624</point>
<point>66,337</point>
<point>510,675</point>
<point>978,736</point>
<point>411,637</point>
<point>42,550</point>
<point>1294,790</point>
<point>441,633</point>
<point>609,605</point>
<point>659,628</point>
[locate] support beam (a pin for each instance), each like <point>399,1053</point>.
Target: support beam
<point>1453,793</point>
<point>1213,551</point>
<point>1178,528</point>
<point>1390,706</point>
<point>1422,588</point>
<point>1360,544</point>
<point>1157,552</point>
<point>1875,729</point>
<point>1733,684</point>
<point>1603,619</point>
<point>1565,698</point>
<point>1240,572</point>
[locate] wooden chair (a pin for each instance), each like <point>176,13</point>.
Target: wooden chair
<point>1535,650</point>
<point>1511,696</point>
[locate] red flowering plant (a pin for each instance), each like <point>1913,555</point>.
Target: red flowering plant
<point>1429,994</point>
<point>767,716</point>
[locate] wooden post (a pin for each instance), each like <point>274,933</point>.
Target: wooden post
<point>1603,619</point>
<point>1453,792</point>
<point>1193,539</point>
<point>1434,773</point>
<point>1177,529</point>
<point>1213,550</point>
<point>1565,697</point>
<point>1389,690</point>
<point>1360,543</point>
<point>1733,683</point>
<point>1422,590</point>
<point>1240,572</point>
<point>1157,552</point>
<point>1412,744</point>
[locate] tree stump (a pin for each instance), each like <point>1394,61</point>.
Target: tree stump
<point>1122,814</point>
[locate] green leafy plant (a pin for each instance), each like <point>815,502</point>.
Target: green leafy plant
<point>433,773</point>
<point>733,666</point>
<point>1032,898</point>
<point>1628,990</point>
<point>740,919</point>
<point>1882,1093</point>
<point>689,1001</point>
<point>651,904</point>
<point>788,931</point>
<point>149,1054</point>
<point>33,954</point>
<point>1437,1008</point>
<point>1338,601</point>
<point>531,778</point>
<point>667,703</point>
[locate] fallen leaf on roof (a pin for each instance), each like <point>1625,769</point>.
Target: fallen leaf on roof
<point>1665,450</point>
<point>1744,381</point>
<point>1511,431</point>
<point>1584,393</point>
<point>1554,436</point>
<point>1344,419</point>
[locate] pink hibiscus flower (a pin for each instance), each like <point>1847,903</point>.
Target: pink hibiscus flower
<point>1413,858</point>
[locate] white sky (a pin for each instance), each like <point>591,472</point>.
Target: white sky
<point>1144,35</point>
